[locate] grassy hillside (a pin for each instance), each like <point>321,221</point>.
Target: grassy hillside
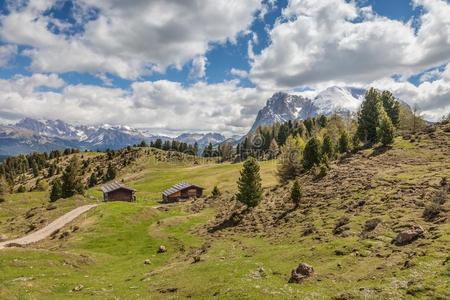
<point>101,255</point>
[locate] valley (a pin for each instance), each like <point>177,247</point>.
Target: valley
<point>111,252</point>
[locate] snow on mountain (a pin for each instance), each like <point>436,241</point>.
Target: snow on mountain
<point>202,139</point>
<point>282,107</point>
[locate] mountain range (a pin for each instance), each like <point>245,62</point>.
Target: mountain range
<point>30,135</point>
<point>282,107</point>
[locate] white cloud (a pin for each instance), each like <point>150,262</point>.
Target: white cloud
<point>162,105</point>
<point>198,69</point>
<point>239,73</point>
<point>326,41</point>
<point>128,38</point>
<point>7,52</point>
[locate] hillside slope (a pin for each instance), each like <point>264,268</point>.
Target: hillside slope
<point>208,255</point>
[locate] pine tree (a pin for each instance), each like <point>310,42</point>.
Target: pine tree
<point>312,155</point>
<point>328,147</point>
<point>296,193</point>
<point>369,117</point>
<point>56,192</point>
<point>344,143</point>
<point>215,192</point>
<point>111,173</point>
<point>391,106</point>
<point>93,180</point>
<point>249,184</point>
<point>3,188</point>
<point>273,149</point>
<point>71,181</point>
<point>290,159</point>
<point>385,131</point>
<point>283,134</point>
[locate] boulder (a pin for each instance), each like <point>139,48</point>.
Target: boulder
<point>162,249</point>
<point>147,261</point>
<point>408,236</point>
<point>301,272</point>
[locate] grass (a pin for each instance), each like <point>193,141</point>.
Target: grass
<point>105,257</point>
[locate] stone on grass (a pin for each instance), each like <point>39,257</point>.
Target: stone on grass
<point>408,236</point>
<point>301,272</point>
<point>162,249</point>
<point>147,261</point>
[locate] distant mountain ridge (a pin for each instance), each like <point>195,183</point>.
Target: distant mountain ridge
<point>29,135</point>
<point>282,107</point>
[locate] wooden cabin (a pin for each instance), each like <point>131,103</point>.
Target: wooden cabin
<point>182,190</point>
<point>117,191</point>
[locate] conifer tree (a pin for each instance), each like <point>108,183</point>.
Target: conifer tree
<point>215,192</point>
<point>93,180</point>
<point>312,155</point>
<point>385,131</point>
<point>71,181</point>
<point>369,117</point>
<point>3,188</point>
<point>391,106</point>
<point>249,184</point>
<point>328,147</point>
<point>111,173</point>
<point>56,192</point>
<point>273,149</point>
<point>296,193</point>
<point>344,143</point>
<point>290,159</point>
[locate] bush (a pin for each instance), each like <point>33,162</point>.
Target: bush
<point>21,189</point>
<point>440,197</point>
<point>41,185</point>
<point>431,211</point>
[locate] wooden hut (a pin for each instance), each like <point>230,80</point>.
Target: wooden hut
<point>182,190</point>
<point>117,191</point>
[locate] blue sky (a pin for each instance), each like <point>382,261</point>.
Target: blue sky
<point>222,59</point>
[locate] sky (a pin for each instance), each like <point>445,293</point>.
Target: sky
<point>198,65</point>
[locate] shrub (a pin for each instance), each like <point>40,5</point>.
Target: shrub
<point>440,197</point>
<point>296,193</point>
<point>431,211</point>
<point>21,189</point>
<point>385,131</point>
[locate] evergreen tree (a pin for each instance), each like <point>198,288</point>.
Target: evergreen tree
<point>391,106</point>
<point>35,169</point>
<point>273,149</point>
<point>71,181</point>
<point>312,155</point>
<point>296,193</point>
<point>328,147</point>
<point>283,134</point>
<point>93,180</point>
<point>158,144</point>
<point>249,184</point>
<point>215,192</point>
<point>322,121</point>
<point>3,188</point>
<point>111,173</point>
<point>56,192</point>
<point>344,143</point>
<point>290,159</point>
<point>386,131</point>
<point>369,117</point>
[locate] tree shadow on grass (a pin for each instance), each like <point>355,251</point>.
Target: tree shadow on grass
<point>380,150</point>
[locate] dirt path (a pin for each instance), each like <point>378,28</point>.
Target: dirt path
<point>50,228</point>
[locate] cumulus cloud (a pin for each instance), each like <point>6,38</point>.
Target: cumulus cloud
<point>162,105</point>
<point>7,52</point>
<point>198,69</point>
<point>239,73</point>
<point>320,41</point>
<point>125,38</point>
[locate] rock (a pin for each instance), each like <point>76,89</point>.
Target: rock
<point>162,249</point>
<point>408,236</point>
<point>196,259</point>
<point>51,207</point>
<point>300,273</point>
<point>78,288</point>
<point>147,261</point>
<point>64,235</point>
<point>371,224</point>
<point>75,228</point>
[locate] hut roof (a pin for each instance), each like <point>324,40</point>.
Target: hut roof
<point>114,185</point>
<point>178,187</point>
